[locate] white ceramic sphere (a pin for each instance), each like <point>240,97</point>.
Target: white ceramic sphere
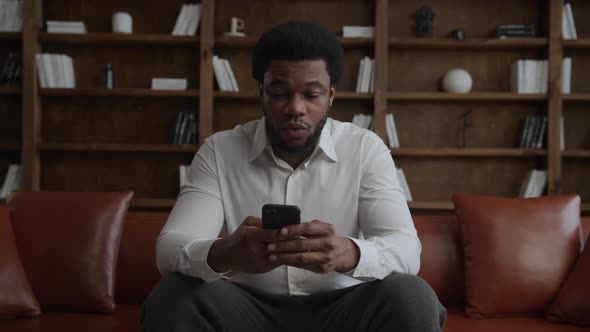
<point>457,81</point>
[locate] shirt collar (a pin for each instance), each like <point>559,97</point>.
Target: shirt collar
<point>261,141</point>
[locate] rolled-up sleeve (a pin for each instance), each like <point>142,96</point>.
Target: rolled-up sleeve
<point>195,221</point>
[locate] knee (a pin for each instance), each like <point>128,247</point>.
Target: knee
<point>169,298</point>
<point>409,291</point>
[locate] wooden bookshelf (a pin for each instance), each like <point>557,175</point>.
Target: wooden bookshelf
<point>68,138</point>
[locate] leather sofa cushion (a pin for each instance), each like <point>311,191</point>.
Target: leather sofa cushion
<point>572,305</point>
<point>137,273</point>
<point>16,295</point>
<point>517,252</point>
<point>441,261</point>
<point>68,244</point>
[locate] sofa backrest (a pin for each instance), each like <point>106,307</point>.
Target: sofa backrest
<point>442,256</point>
<point>441,260</point>
<point>136,266</point>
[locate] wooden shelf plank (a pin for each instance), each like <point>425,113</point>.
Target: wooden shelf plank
<point>576,97</point>
<point>11,36</point>
<point>577,43</point>
<point>341,95</point>
<point>10,91</point>
<point>467,152</point>
<point>472,96</point>
<point>577,153</point>
<point>467,44</point>
<point>119,39</point>
<point>119,92</point>
<point>251,40</point>
<point>445,206</point>
<point>92,147</point>
<point>152,203</point>
<point>10,147</point>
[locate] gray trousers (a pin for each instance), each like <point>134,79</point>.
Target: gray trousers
<point>400,302</point>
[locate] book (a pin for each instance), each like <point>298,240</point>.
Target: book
<point>182,171</point>
<point>541,134</point>
<point>533,184</point>
<point>169,84</point>
<point>187,22</point>
<point>404,184</point>
<point>55,71</point>
<point>66,27</point>
<point>358,31</point>
<point>11,15</point>
<point>570,21</point>
<point>566,75</point>
<point>391,131</point>
<point>11,181</point>
<point>230,74</point>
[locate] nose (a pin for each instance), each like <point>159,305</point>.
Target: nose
<point>296,105</point>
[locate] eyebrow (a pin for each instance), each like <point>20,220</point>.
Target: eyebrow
<point>313,84</point>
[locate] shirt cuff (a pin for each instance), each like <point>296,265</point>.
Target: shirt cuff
<point>196,253</point>
<point>368,260</point>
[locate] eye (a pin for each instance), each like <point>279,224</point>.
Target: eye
<point>312,95</point>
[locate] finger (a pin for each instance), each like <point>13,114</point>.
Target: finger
<point>252,222</point>
<point>309,229</point>
<point>302,244</point>
<point>299,258</point>
<point>265,235</point>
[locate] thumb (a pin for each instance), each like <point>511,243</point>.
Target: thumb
<point>252,222</point>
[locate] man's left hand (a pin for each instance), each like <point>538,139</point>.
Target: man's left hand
<point>317,249</point>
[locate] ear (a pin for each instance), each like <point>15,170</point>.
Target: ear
<point>332,94</point>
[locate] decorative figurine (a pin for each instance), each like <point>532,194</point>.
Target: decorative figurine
<point>424,17</point>
<point>458,34</point>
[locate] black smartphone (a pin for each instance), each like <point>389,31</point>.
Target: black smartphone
<point>277,216</point>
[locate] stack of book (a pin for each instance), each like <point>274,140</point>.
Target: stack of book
<point>366,75</point>
<point>533,184</point>
<point>55,71</point>
<point>182,172</point>
<point>363,120</point>
<point>185,130</point>
<point>391,131</point>
<point>11,181</point>
<point>568,27</point>
<point>11,15</point>
<point>11,70</point>
<point>358,31</point>
<point>224,75</point>
<point>66,27</point>
<point>188,19</point>
<point>529,76</point>
<point>169,83</point>
<point>404,184</point>
<point>533,132</point>
<point>515,30</point>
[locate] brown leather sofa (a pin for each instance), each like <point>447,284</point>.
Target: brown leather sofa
<point>442,268</point>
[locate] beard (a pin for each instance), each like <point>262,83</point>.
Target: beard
<point>309,145</point>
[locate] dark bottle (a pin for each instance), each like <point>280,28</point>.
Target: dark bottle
<point>107,76</point>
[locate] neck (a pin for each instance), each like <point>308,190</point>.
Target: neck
<point>294,159</point>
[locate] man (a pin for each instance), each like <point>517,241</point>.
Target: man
<point>351,267</point>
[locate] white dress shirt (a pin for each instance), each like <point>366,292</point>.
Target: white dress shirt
<point>349,181</point>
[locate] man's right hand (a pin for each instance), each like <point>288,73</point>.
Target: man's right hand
<point>244,250</point>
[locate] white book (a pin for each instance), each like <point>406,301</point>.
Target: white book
<point>372,76</point>
<point>169,84</point>
<point>218,70</point>
<point>11,181</point>
<point>368,121</point>
<point>358,31</point>
<point>66,30</point>
<point>366,74</point>
<point>359,78</point>
<point>566,75</point>
<point>183,170</point>
<point>540,179</point>
<point>230,73</point>
<point>18,16</point>
<point>357,120</point>
<point>48,69</point>
<point>565,28</point>
<point>70,73</point>
<point>181,14</point>
<point>526,183</point>
<point>389,130</point>
<point>40,72</point>
<point>404,184</point>
<point>532,184</point>
<point>61,70</point>
<point>570,21</point>
<point>194,18</point>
